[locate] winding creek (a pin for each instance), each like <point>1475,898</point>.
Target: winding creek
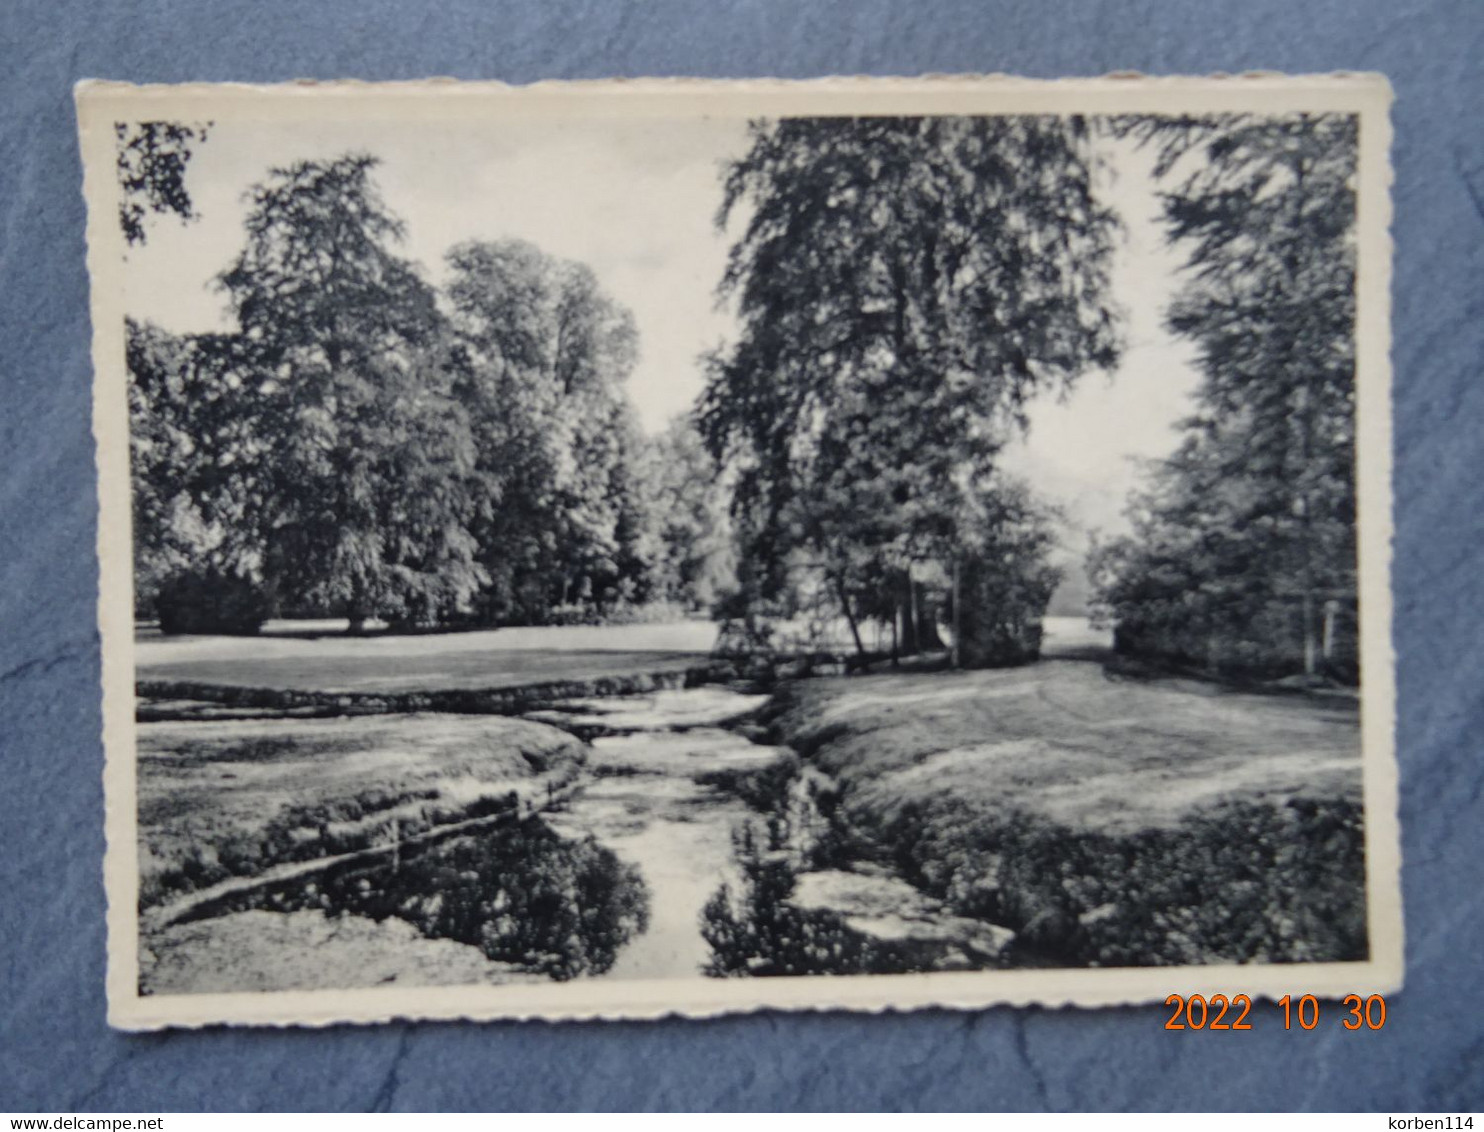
<point>672,780</point>
<point>652,797</point>
<point>616,873</point>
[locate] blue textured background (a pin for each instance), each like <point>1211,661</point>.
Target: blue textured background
<point>57,1054</point>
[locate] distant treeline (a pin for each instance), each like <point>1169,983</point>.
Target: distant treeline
<point>363,445</point>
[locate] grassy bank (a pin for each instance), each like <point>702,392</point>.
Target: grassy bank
<point>222,800</point>
<point>1106,822</point>
<point>435,663</point>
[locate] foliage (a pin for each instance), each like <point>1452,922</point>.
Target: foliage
<point>194,455</point>
<point>518,892</point>
<point>206,600</point>
<point>541,354</point>
<point>1244,543</point>
<point>695,562</point>
<point>757,932</point>
<point>361,506</point>
<point>152,160</point>
<point>355,447</point>
<point>316,451</point>
<point>1005,579</point>
<point>1241,883</point>
<point>360,444</point>
<point>904,287</point>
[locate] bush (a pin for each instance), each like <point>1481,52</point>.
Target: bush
<point>212,601</point>
<point>1002,610</point>
<point>1242,883</point>
<point>758,932</point>
<point>1255,641</point>
<point>519,892</point>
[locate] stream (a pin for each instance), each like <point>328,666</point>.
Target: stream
<point>610,878</point>
<point>655,795</point>
<point>668,786</point>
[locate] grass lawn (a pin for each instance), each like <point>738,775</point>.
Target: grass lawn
<point>1066,742</point>
<point>320,657</point>
<point>433,662</point>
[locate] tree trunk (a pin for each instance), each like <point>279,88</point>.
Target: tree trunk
<point>1304,419</point>
<point>355,613</point>
<point>908,612</point>
<point>1311,651</point>
<point>958,636</point>
<point>1306,539</point>
<point>927,626</point>
<point>849,616</point>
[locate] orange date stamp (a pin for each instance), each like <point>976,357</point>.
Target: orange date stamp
<point>1223,1012</point>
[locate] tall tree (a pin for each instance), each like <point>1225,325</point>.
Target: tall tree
<point>904,286</point>
<point>542,355</point>
<point>1254,518</point>
<point>1003,577</point>
<point>362,505</point>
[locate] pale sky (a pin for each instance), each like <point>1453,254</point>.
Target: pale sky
<point>636,200</point>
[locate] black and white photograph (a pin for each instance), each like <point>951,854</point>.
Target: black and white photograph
<point>616,550</point>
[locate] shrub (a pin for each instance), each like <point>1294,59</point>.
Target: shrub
<point>756,931</point>
<point>1243,883</point>
<point>212,601</point>
<point>1002,610</point>
<point>519,892</point>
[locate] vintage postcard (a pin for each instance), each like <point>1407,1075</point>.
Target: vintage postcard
<point>674,547</point>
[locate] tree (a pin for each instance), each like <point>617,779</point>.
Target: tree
<point>193,455</point>
<point>1244,547</point>
<point>152,160</point>
<point>1003,578</point>
<point>361,506</point>
<point>694,555</point>
<point>904,286</point>
<point>542,355</point>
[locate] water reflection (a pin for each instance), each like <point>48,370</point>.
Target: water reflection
<point>556,906</point>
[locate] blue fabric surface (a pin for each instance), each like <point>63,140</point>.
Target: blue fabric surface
<point>56,1052</point>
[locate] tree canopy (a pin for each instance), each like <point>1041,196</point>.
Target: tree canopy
<point>362,442</point>
<point>695,559</point>
<point>542,354</point>
<point>363,448</point>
